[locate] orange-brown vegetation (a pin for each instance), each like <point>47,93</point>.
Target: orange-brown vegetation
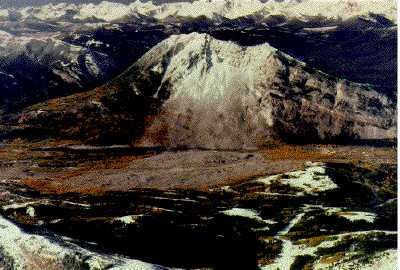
<point>290,152</point>
<point>54,174</point>
<point>332,259</point>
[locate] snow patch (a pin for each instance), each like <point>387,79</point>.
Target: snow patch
<point>91,65</point>
<point>30,211</point>
<point>17,206</point>
<point>320,29</point>
<point>95,43</point>
<point>249,213</point>
<point>242,212</point>
<point>289,250</point>
<point>158,68</point>
<point>128,219</point>
<point>107,11</point>
<point>4,13</point>
<point>356,216</point>
<point>383,260</point>
<point>312,180</point>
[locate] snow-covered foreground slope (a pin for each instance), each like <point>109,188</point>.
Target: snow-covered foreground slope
<point>218,94</point>
<point>231,9</point>
<point>21,250</point>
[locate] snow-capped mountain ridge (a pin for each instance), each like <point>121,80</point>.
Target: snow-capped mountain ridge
<point>63,57</point>
<point>230,9</point>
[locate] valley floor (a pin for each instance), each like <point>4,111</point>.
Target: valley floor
<point>66,205</point>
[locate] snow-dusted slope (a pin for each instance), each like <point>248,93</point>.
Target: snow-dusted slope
<point>231,9</point>
<point>71,63</point>
<point>20,250</point>
<point>221,95</point>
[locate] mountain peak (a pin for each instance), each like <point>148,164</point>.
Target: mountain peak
<point>218,94</point>
<point>211,63</point>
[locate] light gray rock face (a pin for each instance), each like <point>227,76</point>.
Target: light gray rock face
<point>217,94</point>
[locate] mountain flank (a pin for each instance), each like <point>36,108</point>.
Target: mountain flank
<point>196,91</point>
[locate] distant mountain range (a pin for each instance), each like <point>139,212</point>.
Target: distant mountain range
<point>231,9</point>
<point>24,3</point>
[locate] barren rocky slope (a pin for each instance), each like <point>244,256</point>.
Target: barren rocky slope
<point>196,91</point>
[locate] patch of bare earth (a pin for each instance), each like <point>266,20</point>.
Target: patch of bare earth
<point>52,172</point>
